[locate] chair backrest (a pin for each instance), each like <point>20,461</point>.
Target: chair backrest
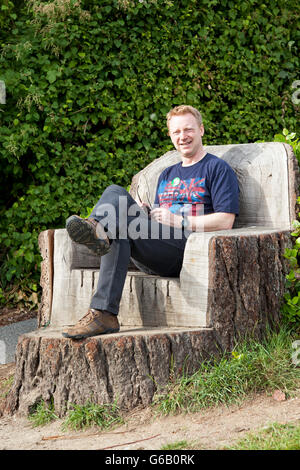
<point>267,174</point>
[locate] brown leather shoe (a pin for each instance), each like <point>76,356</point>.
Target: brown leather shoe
<point>88,232</point>
<point>95,322</point>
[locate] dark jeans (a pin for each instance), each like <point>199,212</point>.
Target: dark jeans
<point>159,248</point>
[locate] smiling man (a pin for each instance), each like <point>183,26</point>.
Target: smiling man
<point>200,183</point>
<point>186,132</point>
<point>174,192</point>
<point>198,194</point>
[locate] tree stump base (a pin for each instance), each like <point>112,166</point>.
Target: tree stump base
<point>246,285</point>
<point>127,367</point>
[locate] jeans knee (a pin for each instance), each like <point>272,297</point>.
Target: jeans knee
<point>115,188</point>
<point>113,194</point>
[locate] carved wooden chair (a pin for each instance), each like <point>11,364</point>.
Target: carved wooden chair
<point>231,280</point>
<point>231,283</point>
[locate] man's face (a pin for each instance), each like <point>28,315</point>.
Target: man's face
<point>186,135</point>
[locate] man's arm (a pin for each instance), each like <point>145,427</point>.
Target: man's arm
<point>201,223</point>
<point>211,222</point>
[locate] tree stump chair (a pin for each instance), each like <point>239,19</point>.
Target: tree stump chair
<point>231,284</point>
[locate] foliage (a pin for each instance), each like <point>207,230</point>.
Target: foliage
<point>89,83</point>
<point>7,15</point>
<point>291,305</point>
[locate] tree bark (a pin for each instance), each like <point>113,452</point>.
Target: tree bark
<point>249,272</point>
<point>246,285</point>
<point>127,367</point>
<point>46,245</point>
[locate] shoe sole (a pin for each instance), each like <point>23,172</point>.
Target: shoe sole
<point>88,335</point>
<point>81,232</point>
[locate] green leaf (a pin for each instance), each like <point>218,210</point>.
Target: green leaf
<point>51,75</point>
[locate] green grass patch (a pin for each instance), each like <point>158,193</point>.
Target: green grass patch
<point>5,386</point>
<point>178,445</point>
<point>78,416</point>
<point>42,414</point>
<point>83,416</point>
<point>253,367</point>
<point>275,437</point>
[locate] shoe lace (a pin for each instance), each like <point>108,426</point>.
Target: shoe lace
<point>88,317</point>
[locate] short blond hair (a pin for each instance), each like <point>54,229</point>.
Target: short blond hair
<point>184,109</point>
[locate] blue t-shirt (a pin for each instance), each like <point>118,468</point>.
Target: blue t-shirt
<point>208,186</point>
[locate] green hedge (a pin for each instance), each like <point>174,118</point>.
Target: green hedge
<point>89,83</point>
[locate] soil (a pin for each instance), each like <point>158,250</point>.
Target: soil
<point>143,430</point>
<point>14,315</point>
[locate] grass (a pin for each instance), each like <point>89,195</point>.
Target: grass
<point>178,445</point>
<point>78,416</point>
<point>83,416</point>
<point>275,437</point>
<point>5,386</point>
<point>253,367</point>
<point>42,414</point>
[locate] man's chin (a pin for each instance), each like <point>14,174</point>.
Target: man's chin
<point>187,154</point>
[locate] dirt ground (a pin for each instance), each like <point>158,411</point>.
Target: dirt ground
<point>143,430</point>
<point>206,430</point>
<point>13,315</point>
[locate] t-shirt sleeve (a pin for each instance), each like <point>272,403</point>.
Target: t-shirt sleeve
<point>224,190</point>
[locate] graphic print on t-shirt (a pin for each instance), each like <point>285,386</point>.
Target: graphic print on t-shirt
<point>182,195</point>
<point>205,187</point>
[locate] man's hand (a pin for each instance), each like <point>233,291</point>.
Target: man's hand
<point>202,223</point>
<point>166,217</point>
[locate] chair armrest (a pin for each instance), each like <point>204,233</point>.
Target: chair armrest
<point>197,246</point>
<point>60,257</point>
<point>243,271</point>
<point>73,255</point>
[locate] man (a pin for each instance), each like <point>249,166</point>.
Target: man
<point>198,194</point>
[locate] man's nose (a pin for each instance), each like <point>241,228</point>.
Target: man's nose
<point>183,135</point>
